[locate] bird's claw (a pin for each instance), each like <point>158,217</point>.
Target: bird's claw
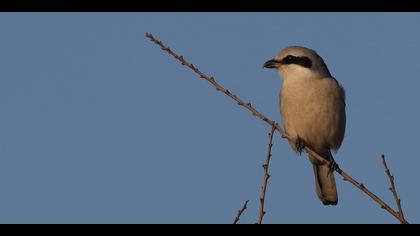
<point>299,145</point>
<point>333,166</point>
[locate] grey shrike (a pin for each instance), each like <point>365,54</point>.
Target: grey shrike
<point>312,106</point>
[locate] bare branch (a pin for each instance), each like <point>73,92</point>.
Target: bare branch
<point>394,191</point>
<point>211,80</point>
<point>254,112</point>
<point>266,175</point>
<point>240,211</point>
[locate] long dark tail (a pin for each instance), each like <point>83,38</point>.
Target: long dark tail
<point>325,182</point>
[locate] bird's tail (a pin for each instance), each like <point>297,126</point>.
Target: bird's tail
<point>324,181</point>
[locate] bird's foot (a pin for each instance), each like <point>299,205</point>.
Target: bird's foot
<point>333,166</point>
<point>300,145</point>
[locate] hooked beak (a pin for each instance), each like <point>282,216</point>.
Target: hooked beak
<point>273,63</point>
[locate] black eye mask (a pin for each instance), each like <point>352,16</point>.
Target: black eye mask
<point>302,61</point>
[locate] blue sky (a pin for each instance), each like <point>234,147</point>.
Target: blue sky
<point>98,125</point>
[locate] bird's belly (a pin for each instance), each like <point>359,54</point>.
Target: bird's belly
<point>314,121</point>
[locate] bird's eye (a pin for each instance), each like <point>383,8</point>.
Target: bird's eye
<point>289,59</point>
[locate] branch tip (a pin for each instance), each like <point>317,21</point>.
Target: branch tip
<point>240,211</point>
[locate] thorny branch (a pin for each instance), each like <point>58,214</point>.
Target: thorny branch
<point>254,112</point>
<point>266,175</point>
<point>394,192</point>
<point>240,211</point>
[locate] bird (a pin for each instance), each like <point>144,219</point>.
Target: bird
<point>312,107</point>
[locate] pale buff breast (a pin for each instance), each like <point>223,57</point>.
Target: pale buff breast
<point>314,110</point>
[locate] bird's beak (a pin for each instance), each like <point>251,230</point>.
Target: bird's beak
<point>273,63</point>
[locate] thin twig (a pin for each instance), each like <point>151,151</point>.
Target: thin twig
<point>266,175</point>
<point>394,191</point>
<point>240,211</point>
<point>254,112</point>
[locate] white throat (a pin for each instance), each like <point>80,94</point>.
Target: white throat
<point>295,72</point>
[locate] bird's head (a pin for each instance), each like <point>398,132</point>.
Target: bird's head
<point>298,61</point>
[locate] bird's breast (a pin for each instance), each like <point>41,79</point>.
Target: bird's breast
<point>312,109</point>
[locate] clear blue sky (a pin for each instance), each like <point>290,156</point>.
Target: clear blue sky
<point>98,125</point>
